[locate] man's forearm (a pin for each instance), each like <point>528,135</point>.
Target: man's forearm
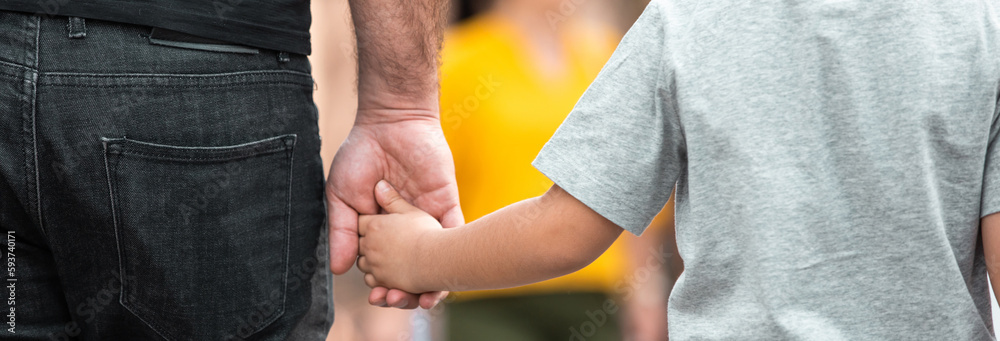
<point>398,46</point>
<point>530,241</point>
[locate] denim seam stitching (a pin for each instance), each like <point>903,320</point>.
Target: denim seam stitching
<point>288,230</point>
<point>174,158</point>
<point>74,31</point>
<point>274,139</point>
<point>34,143</point>
<point>114,222</point>
<point>121,264</point>
<point>34,126</point>
<point>172,86</point>
<point>156,327</point>
<point>25,132</point>
<point>288,225</point>
<point>157,75</point>
<point>12,77</point>
<point>15,65</point>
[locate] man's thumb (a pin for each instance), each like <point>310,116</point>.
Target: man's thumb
<point>390,200</point>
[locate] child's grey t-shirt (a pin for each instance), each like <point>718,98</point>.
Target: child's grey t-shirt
<point>831,159</point>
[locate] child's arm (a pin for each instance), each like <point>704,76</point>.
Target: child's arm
<point>529,241</point>
<point>990,228</point>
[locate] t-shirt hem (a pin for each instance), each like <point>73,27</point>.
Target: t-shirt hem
<point>560,171</point>
<point>989,208</point>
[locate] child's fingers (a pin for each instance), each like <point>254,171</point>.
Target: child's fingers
<point>400,299</point>
<point>377,297</point>
<point>430,299</point>
<point>390,200</point>
<point>363,264</point>
<point>363,222</point>
<point>370,280</point>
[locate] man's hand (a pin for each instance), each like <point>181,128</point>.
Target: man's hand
<point>397,134</point>
<point>389,248</point>
<point>413,155</point>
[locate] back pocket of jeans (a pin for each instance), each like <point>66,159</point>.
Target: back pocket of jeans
<point>202,234</point>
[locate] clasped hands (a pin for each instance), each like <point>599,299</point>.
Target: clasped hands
<point>389,245</point>
<point>413,156</point>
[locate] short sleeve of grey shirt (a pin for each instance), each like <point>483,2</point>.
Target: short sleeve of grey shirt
<point>991,175</point>
<point>621,149</point>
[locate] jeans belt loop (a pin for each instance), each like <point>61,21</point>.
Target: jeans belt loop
<point>77,28</point>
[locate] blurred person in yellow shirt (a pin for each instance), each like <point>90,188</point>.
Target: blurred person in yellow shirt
<point>509,76</point>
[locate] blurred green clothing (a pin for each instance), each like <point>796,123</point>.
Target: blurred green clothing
<point>571,316</point>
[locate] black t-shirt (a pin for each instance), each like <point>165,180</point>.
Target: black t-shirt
<point>281,25</point>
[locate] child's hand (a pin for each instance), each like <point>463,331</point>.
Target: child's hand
<point>390,244</point>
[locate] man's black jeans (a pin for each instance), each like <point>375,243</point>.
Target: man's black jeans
<point>155,187</point>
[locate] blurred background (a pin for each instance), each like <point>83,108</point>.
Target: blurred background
<point>511,71</point>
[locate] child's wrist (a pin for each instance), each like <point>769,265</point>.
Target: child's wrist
<point>421,274</point>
